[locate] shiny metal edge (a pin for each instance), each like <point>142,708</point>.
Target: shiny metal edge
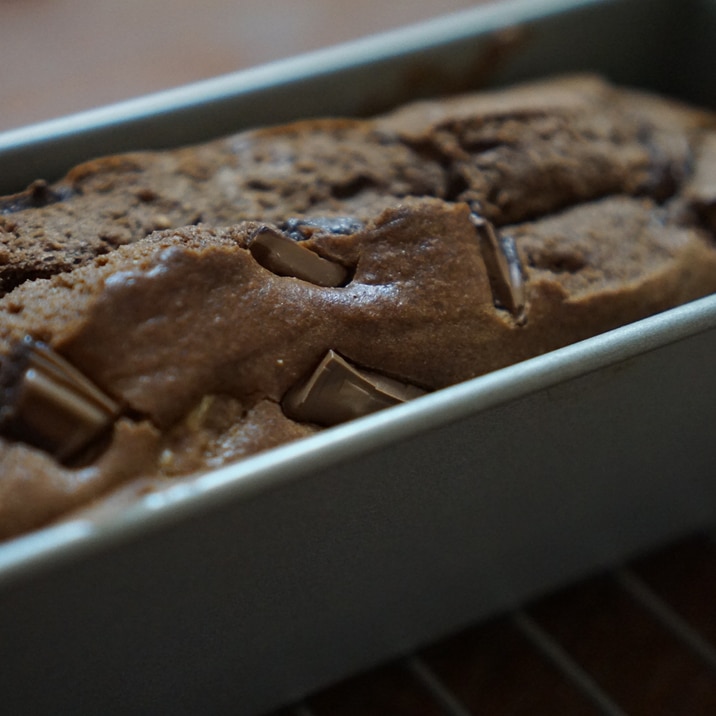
<point>50,547</point>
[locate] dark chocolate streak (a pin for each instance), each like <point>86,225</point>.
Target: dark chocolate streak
<point>300,229</point>
<point>37,195</point>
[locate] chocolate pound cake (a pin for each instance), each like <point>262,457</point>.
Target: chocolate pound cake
<point>167,313</point>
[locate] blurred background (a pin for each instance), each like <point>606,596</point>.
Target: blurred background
<point>63,56</point>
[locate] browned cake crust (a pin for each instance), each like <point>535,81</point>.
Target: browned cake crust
<point>202,337</point>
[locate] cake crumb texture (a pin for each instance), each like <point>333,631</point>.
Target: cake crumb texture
<point>138,269</point>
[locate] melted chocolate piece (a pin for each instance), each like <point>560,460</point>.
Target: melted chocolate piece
<point>38,194</point>
<point>504,268</point>
<point>48,403</point>
<point>337,392</point>
<point>302,229</point>
<point>280,254</point>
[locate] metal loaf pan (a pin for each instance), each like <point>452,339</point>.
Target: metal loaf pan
<point>250,586</point>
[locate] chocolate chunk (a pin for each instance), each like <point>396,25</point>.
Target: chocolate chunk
<point>504,268</point>
<point>302,229</point>
<point>700,190</point>
<point>36,195</point>
<point>48,403</point>
<point>337,392</point>
<point>279,253</point>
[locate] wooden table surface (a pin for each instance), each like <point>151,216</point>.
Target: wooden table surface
<point>639,640</point>
<point>62,56</point>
